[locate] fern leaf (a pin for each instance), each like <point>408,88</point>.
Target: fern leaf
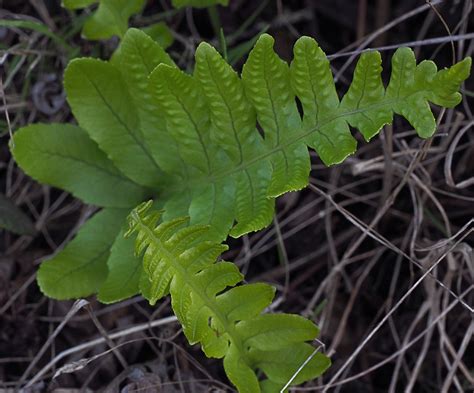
<point>110,118</point>
<point>259,168</point>
<point>220,148</point>
<point>194,139</point>
<point>226,322</point>
<point>64,156</point>
<point>125,270</point>
<point>81,267</point>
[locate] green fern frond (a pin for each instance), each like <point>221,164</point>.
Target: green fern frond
<point>201,130</point>
<point>216,146</point>
<point>213,117</point>
<point>228,323</point>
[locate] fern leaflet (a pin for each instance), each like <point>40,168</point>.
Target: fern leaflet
<point>228,324</point>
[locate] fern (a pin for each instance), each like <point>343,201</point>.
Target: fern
<point>258,169</point>
<point>227,323</point>
<point>191,141</point>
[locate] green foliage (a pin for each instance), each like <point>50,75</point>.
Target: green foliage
<point>81,267</point>
<point>63,156</point>
<point>13,219</point>
<point>110,18</point>
<point>147,129</point>
<point>198,3</point>
<point>77,4</point>
<point>160,32</point>
<point>192,143</point>
<point>228,323</point>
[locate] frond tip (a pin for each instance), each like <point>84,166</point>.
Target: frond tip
<point>228,323</point>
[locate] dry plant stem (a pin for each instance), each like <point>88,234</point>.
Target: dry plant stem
<point>354,293</point>
<point>7,116</point>
<point>446,27</point>
<point>107,338</point>
<point>382,14</point>
<point>387,141</point>
<point>421,356</point>
<point>43,12</point>
<point>382,30</point>
<point>419,316</point>
<point>97,341</point>
<point>444,339</point>
<point>395,354</point>
<point>376,236</point>
<point>283,256</point>
<point>361,19</point>
<point>415,180</point>
<point>79,304</point>
<point>17,293</point>
<point>449,160</point>
<point>457,361</point>
<point>389,202</point>
<point>392,311</point>
<point>413,44</point>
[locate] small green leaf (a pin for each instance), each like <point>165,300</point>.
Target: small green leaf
<point>233,128</point>
<point>246,300</point>
<point>111,18</point>
<point>413,86</point>
<point>161,33</point>
<point>239,372</point>
<point>281,365</point>
<point>64,156</point>
<point>13,219</point>
<point>198,3</point>
<point>81,267</point>
<point>275,331</point>
<point>77,4</point>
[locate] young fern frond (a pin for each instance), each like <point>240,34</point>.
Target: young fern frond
<point>228,323</point>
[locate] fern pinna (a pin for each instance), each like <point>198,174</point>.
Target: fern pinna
<point>191,142</point>
<point>227,323</point>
